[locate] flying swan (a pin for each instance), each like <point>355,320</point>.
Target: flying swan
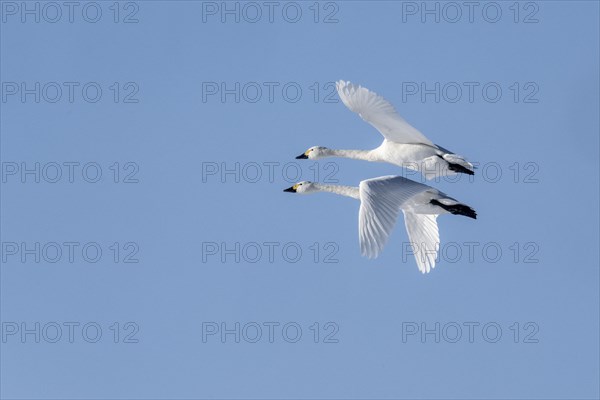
<point>403,145</point>
<point>381,200</point>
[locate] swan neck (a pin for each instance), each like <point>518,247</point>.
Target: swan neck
<point>348,191</point>
<point>355,154</point>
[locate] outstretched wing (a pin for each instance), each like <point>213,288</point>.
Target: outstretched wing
<point>378,112</point>
<point>381,200</point>
<point>424,238</point>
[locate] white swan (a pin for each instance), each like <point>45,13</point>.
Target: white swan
<point>381,200</point>
<point>403,145</point>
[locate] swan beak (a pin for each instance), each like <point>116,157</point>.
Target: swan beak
<point>291,189</point>
<point>302,156</point>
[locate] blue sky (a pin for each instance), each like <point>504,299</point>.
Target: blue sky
<point>167,99</point>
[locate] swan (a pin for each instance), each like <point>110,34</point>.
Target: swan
<point>381,200</point>
<point>403,145</point>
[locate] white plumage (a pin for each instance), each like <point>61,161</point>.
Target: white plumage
<point>403,144</point>
<point>382,199</point>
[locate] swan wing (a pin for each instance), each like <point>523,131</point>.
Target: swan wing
<point>378,112</point>
<point>381,200</point>
<point>424,238</point>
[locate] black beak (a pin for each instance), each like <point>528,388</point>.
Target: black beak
<point>302,157</point>
<point>290,189</point>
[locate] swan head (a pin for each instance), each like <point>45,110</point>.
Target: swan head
<point>314,153</point>
<point>304,187</point>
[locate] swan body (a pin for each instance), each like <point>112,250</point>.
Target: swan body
<point>382,199</point>
<point>403,145</point>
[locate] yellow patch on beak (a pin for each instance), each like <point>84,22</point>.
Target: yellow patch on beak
<point>306,152</point>
<point>295,186</point>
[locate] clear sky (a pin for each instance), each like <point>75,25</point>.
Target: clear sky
<point>192,114</point>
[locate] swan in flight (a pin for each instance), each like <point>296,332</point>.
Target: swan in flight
<point>403,145</point>
<point>381,200</point>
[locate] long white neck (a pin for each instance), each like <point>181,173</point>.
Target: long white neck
<point>349,191</point>
<point>355,154</point>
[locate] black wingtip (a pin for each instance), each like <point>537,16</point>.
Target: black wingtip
<point>469,213</point>
<point>460,169</point>
<point>456,209</point>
